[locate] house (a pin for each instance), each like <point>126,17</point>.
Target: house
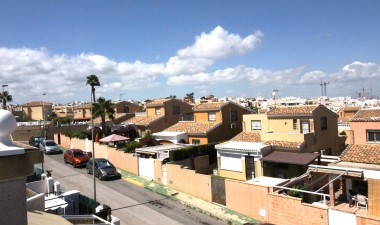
<point>365,125</point>
<point>37,110</point>
<point>125,110</point>
<point>280,143</point>
<point>210,123</point>
<point>345,115</point>
<point>160,114</point>
<point>82,113</point>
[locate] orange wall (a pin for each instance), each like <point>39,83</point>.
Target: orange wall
<point>286,210</point>
<point>359,128</point>
<point>361,220</point>
<point>157,171</point>
<point>249,200</point>
<point>203,116</point>
<point>189,182</point>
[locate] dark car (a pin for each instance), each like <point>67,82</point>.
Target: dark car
<point>75,157</point>
<point>35,141</point>
<point>103,169</point>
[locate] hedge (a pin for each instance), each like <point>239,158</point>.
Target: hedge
<point>194,151</point>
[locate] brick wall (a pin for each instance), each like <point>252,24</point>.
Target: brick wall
<point>286,210</point>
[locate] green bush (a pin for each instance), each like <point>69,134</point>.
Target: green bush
<point>131,146</point>
<point>194,151</point>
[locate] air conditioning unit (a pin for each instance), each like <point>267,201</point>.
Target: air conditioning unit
<point>233,125</point>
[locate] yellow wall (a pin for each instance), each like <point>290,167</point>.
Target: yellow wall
<point>232,174</point>
<point>203,140</point>
<point>203,116</point>
<point>247,118</point>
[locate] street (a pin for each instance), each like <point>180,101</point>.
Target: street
<point>130,203</point>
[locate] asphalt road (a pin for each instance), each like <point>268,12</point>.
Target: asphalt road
<point>130,203</point>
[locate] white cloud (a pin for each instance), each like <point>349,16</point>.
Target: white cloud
<point>358,70</point>
<point>220,44</point>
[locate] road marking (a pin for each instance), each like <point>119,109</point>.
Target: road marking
<point>134,182</point>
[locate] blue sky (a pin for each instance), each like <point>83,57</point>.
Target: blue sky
<point>154,49</point>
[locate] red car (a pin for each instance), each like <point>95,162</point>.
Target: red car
<point>76,157</point>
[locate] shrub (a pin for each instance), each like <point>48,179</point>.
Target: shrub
<point>131,146</point>
<point>194,151</point>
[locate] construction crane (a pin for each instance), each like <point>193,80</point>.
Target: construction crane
<point>122,95</point>
<point>323,87</point>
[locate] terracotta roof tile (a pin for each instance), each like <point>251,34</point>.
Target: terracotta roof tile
<point>350,108</point>
<point>290,110</point>
<point>157,102</point>
<point>362,154</point>
<point>256,137</point>
<point>192,127</point>
<point>209,106</point>
<point>142,120</point>
<point>367,115</point>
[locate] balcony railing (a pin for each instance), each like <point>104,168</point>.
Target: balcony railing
<point>33,123</point>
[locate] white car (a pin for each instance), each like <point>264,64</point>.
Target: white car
<point>49,147</point>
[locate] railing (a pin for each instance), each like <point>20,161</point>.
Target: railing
<point>34,123</point>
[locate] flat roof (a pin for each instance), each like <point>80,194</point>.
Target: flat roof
<point>167,147</point>
<point>241,146</point>
<point>290,157</point>
<point>43,218</point>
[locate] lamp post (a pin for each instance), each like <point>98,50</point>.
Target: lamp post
<point>93,83</point>
<point>4,106</point>
<point>43,114</point>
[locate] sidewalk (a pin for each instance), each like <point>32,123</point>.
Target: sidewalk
<point>211,209</point>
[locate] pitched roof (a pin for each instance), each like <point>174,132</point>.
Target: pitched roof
<point>256,137</point>
<point>157,102</point>
<point>362,154</point>
<point>293,110</point>
<point>143,120</point>
<point>209,106</point>
<point>193,127</point>
<point>367,115</point>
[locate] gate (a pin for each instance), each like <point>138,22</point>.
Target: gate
<point>146,167</point>
<point>218,190</point>
<point>249,167</point>
<point>338,217</point>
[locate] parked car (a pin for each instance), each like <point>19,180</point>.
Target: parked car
<point>104,169</point>
<point>35,141</point>
<point>49,146</point>
<point>75,157</point>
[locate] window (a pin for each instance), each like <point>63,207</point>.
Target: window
<point>176,110</point>
<point>373,135</point>
<point>196,142</point>
<point>256,124</point>
<point>126,109</point>
<point>211,116</point>
<point>158,111</point>
<point>324,123</point>
<point>295,124</point>
<point>233,115</point>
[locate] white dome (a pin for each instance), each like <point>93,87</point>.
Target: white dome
<point>7,123</point>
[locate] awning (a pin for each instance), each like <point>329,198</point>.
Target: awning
<point>113,138</point>
<point>174,137</point>
<point>290,157</point>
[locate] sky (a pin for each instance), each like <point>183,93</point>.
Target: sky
<point>155,49</point>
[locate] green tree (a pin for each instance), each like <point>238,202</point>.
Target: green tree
<point>171,96</point>
<point>103,108</point>
<point>70,134</point>
<point>190,96</point>
<point>93,81</point>
<point>5,97</point>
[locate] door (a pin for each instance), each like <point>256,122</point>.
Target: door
<point>218,190</point>
<point>249,167</point>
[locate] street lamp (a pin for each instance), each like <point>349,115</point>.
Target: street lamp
<point>3,97</point>
<point>43,115</point>
<point>93,84</point>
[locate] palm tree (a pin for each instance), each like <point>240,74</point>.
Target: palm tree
<point>5,97</point>
<point>190,96</point>
<point>71,134</point>
<point>103,108</point>
<point>93,80</point>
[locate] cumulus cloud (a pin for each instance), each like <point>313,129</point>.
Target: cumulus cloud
<point>208,48</point>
